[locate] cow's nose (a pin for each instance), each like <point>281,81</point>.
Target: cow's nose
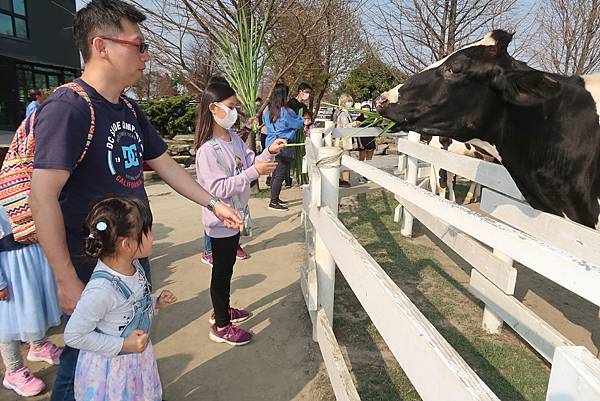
<point>381,102</point>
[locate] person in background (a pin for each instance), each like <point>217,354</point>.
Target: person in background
<point>28,308</point>
<point>366,144</point>
<point>344,120</point>
<point>299,102</point>
<point>308,122</point>
<point>282,123</point>
<point>37,97</point>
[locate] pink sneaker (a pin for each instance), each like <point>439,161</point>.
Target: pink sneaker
<point>235,316</point>
<point>230,334</point>
<point>23,382</point>
<point>241,254</point>
<point>207,258</point>
<point>47,352</point>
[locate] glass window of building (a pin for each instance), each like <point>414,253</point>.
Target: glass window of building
<point>13,19</point>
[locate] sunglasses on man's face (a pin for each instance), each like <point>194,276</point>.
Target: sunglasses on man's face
<point>142,46</point>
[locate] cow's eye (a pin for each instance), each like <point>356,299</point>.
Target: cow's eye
<point>455,69</point>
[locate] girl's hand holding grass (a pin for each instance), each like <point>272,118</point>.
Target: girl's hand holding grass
<point>165,299</point>
<point>277,146</point>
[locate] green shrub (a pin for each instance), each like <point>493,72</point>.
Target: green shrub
<point>171,115</point>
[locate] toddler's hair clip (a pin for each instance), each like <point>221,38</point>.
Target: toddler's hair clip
<point>101,226</point>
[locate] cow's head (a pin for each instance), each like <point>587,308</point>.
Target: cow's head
<point>462,94</point>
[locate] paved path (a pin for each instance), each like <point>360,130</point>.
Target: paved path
<point>282,363</point>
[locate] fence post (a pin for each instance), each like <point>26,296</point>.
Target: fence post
<point>316,137</point>
<point>492,322</point>
<point>575,375</point>
<point>411,177</point>
<point>401,160</point>
<point>401,171</point>
<point>330,173</point>
<point>329,126</point>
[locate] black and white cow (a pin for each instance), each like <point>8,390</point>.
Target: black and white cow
<point>543,127</point>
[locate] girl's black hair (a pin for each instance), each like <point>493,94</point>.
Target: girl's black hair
<point>279,99</point>
<point>112,218</point>
<point>215,92</point>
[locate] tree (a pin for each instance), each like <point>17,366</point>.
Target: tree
<point>327,51</point>
<point>186,33</point>
<point>170,115</point>
<point>416,33</point>
<point>569,41</point>
<point>370,79</point>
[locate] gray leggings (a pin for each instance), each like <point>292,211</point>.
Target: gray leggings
<point>11,353</point>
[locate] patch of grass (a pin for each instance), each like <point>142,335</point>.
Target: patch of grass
<point>507,365</point>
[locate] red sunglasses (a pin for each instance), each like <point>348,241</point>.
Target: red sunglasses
<point>142,46</point>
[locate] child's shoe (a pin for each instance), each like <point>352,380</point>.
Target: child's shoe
<point>235,316</point>
<point>241,254</point>
<point>23,382</point>
<point>47,352</point>
<point>207,258</point>
<point>230,334</point>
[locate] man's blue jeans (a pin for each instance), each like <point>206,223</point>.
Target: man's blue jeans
<point>63,390</point>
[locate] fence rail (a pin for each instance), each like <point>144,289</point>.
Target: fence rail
<point>490,246</point>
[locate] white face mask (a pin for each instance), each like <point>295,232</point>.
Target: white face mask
<point>305,96</point>
<point>229,119</point>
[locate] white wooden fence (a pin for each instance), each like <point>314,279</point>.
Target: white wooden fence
<point>489,245</point>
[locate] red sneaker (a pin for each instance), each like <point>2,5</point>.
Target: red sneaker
<point>207,258</point>
<point>230,334</point>
<point>241,254</point>
<point>235,316</point>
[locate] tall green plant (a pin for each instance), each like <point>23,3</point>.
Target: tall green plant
<point>244,58</point>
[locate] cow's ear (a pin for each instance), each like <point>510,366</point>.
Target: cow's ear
<point>526,88</point>
<point>501,40</point>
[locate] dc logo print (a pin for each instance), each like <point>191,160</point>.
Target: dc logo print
<point>125,152</point>
<point>130,156</point>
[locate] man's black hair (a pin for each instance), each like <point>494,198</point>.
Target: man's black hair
<point>100,17</point>
<point>304,86</point>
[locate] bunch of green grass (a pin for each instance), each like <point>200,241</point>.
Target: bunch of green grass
<point>243,60</point>
<point>374,119</point>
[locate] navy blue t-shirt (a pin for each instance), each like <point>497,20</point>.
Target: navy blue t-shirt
<point>112,165</point>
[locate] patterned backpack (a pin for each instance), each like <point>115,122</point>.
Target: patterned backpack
<point>17,170</point>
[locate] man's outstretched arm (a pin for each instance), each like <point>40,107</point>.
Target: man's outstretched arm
<point>182,182</point>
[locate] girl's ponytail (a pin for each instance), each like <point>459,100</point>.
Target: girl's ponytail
<point>113,218</point>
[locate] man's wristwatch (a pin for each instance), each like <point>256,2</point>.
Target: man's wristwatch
<point>212,203</point>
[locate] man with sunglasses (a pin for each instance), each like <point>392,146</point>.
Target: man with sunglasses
<point>64,184</point>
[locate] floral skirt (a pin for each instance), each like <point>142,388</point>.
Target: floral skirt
<point>131,377</point>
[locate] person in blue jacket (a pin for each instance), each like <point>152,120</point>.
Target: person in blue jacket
<point>281,122</point>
